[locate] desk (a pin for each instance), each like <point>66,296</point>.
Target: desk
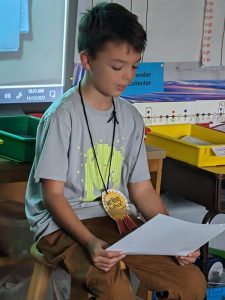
<point>13,172</point>
<point>205,186</point>
<point>155,158</point>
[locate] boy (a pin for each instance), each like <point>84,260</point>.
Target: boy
<point>91,142</point>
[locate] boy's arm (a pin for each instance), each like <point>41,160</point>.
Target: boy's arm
<point>62,212</point>
<point>66,218</point>
<point>144,196</point>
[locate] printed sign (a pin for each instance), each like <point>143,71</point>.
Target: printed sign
<point>148,79</point>
<point>219,150</point>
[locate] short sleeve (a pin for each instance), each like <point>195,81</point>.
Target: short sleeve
<point>139,170</point>
<point>53,140</point>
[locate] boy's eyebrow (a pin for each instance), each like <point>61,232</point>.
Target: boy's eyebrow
<point>122,61</point>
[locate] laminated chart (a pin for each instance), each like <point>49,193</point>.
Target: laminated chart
<point>213,48</point>
<point>194,101</point>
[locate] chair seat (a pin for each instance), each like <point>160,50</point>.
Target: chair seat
<point>38,256</point>
<point>40,277</point>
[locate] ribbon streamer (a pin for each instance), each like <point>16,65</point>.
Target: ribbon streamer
<point>116,205</point>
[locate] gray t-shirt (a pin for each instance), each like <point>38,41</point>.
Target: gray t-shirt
<point>64,152</point>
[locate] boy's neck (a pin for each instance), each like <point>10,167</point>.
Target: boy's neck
<point>95,98</point>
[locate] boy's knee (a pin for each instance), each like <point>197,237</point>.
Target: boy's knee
<point>114,284</point>
<point>195,284</point>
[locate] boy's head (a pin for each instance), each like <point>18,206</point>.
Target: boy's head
<point>109,22</point>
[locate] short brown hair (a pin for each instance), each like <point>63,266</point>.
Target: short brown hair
<point>109,22</point>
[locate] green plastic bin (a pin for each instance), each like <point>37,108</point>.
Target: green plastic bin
<point>19,136</point>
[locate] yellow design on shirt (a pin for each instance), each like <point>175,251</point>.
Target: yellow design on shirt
<point>93,180</point>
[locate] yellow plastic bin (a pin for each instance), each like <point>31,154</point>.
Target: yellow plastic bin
<point>19,135</point>
<point>169,138</point>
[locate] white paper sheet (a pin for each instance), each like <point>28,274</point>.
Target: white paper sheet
<point>164,235</point>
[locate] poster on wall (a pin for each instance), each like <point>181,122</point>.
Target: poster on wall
<point>187,101</point>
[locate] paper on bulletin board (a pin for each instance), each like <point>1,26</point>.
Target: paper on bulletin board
<point>174,30</point>
<point>166,23</point>
<point>165,235</point>
<point>125,3</point>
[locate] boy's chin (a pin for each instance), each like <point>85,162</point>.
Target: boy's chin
<point>117,94</point>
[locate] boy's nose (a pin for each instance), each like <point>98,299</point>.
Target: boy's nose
<point>128,75</point>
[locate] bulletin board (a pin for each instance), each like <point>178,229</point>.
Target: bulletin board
<point>188,37</point>
<point>179,30</point>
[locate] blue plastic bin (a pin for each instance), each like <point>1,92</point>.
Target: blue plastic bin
<point>216,293</point>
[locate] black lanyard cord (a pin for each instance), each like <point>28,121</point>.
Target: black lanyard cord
<point>92,144</point>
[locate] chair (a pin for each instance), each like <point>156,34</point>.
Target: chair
<point>41,276</point>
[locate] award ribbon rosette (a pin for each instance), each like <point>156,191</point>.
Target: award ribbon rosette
<point>116,205</point>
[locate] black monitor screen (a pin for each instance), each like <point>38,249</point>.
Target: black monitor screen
<point>37,40</point>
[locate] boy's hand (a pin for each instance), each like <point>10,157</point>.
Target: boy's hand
<point>101,258</point>
<point>189,259</point>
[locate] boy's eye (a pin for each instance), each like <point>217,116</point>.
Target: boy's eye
<point>120,68</point>
<point>116,68</point>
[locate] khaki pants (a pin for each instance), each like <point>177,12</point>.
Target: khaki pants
<point>158,273</point>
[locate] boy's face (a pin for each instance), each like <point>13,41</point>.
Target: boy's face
<point>113,68</point>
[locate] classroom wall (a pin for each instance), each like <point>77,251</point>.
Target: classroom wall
<point>179,31</point>
<point>188,37</point>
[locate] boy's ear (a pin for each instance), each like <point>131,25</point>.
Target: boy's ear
<point>85,60</point>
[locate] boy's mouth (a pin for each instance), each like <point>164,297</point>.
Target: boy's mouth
<point>121,87</point>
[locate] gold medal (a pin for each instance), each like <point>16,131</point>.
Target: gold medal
<point>116,205</point>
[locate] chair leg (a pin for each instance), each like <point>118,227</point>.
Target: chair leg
<point>39,282</point>
<point>149,297</point>
<point>143,292</point>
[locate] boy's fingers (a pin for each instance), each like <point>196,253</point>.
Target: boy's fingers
<point>185,260</point>
<point>107,260</point>
<point>114,254</point>
<point>194,254</point>
<point>105,264</point>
